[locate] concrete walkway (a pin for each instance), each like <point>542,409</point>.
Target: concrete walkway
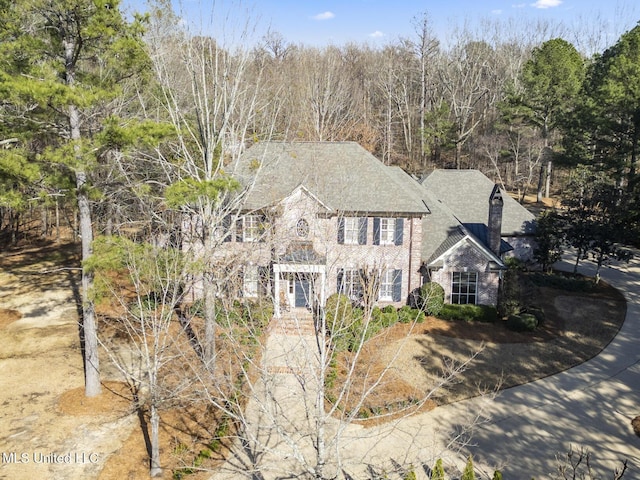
<point>280,415</point>
<point>520,432</point>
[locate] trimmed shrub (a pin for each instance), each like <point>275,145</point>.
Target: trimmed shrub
<point>469,313</point>
<point>406,314</point>
<point>338,311</point>
<point>525,322</point>
<point>431,298</point>
<point>388,319</point>
<point>388,309</point>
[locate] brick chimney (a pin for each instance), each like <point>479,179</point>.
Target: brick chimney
<point>494,222</point>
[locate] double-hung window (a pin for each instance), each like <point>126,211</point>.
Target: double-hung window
<point>390,286</point>
<point>252,228</point>
<point>351,230</point>
<point>464,287</point>
<point>350,283</point>
<point>386,285</point>
<point>387,231</point>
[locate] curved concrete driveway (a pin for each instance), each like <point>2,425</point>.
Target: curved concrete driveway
<point>588,406</point>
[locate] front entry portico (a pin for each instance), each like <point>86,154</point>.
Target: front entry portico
<point>298,286</point>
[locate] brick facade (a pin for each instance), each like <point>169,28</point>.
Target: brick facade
<point>467,258</point>
<point>282,239</point>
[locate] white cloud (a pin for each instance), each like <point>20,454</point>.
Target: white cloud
<point>324,16</point>
<point>376,34</point>
<point>496,12</point>
<point>546,3</point>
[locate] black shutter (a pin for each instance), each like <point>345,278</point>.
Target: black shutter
<point>397,285</point>
<point>340,284</point>
<point>239,223</point>
<point>341,230</point>
<point>376,231</point>
<point>397,238</point>
<point>363,224</point>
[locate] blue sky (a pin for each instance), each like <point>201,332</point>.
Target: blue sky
<point>322,22</point>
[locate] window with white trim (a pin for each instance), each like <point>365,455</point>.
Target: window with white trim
<point>350,283</point>
<point>387,279</point>
<point>351,230</point>
<point>464,288</point>
<point>387,231</point>
<point>251,229</point>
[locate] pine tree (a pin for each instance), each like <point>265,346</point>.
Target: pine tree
<point>62,63</point>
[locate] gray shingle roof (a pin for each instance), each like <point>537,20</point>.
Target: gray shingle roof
<point>466,193</point>
<point>342,175</point>
<point>347,178</point>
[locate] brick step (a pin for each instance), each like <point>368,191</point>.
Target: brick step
<point>293,326</point>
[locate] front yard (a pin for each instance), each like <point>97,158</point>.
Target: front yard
<point>577,326</point>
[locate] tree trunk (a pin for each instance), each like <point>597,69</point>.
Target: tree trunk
<point>154,420</point>
<point>57,221</point>
<point>547,187</point>
<point>540,184</point>
<point>89,325</point>
<point>209,299</point>
<point>44,217</point>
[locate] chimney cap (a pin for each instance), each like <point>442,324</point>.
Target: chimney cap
<point>496,194</point>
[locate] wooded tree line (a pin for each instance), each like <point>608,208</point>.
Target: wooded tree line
<point>124,126</point>
<point>511,99</point>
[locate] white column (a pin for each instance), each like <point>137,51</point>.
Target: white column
<point>276,293</point>
<point>323,281</point>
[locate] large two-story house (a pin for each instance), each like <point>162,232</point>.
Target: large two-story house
<point>318,218</point>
